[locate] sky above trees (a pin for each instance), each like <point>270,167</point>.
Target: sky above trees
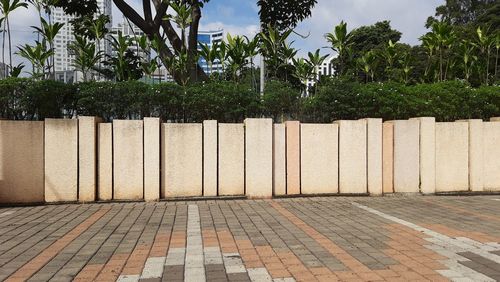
<point>241,17</point>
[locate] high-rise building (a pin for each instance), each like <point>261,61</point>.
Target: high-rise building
<point>128,29</point>
<point>64,65</point>
<point>210,38</point>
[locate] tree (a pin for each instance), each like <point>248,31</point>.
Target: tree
<point>7,7</point>
<point>341,42</point>
<point>86,57</point>
<point>160,27</point>
<point>463,12</point>
<point>368,63</point>
<point>124,64</point>
<point>38,56</point>
<point>49,33</point>
<point>284,14</point>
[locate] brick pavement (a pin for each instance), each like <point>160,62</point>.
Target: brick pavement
<point>412,238</point>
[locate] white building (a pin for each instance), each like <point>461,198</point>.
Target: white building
<point>128,29</point>
<point>326,69</point>
<point>210,38</point>
<point>64,66</point>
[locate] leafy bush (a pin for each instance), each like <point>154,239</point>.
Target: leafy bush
<point>233,102</point>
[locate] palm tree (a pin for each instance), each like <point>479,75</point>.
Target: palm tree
<point>497,47</point>
<point>209,54</point>
<point>368,63</point>
<point>303,71</point>
<point>183,18</point>
<point>429,42</point>
<point>7,7</point>
<point>272,45</point>
<point>340,41</point>
<point>444,37</point>
<point>85,54</point>
<point>99,31</point>
<point>406,61</point>
<point>49,33</point>
<point>466,50</point>
<point>484,42</point>
<point>391,55</point>
<point>251,51</point>
<point>236,54</point>
<point>38,56</point>
<point>316,60</point>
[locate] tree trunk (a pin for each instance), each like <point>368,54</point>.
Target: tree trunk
<point>3,50</point>
<point>10,46</point>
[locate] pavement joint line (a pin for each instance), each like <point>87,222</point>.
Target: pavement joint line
<point>194,265</point>
<point>448,247</point>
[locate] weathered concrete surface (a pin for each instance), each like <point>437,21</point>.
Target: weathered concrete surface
<point>427,155</point>
<point>259,158</point>
<point>182,160</point>
<point>388,157</point>
<point>319,158</point>
<point>61,160</point>
<point>406,156</point>
<point>151,159</point>
<point>374,155</point>
<point>352,157</point>
<point>128,160</point>
<point>231,159</point>
<point>105,162</point>
<point>210,155</point>
<point>87,158</point>
<point>292,129</point>
<point>491,147</point>
<point>21,162</point>
<point>279,160</point>
<point>452,158</point>
<point>476,155</point>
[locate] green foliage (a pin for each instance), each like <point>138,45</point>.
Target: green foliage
<point>281,101</point>
<point>284,14</point>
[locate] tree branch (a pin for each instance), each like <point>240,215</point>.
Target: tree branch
<point>131,14</point>
<point>146,6</point>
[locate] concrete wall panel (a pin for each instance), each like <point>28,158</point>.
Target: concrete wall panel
<point>374,155</point>
<point>352,157</point>
<point>21,162</point>
<point>476,155</point>
<point>128,160</point>
<point>61,160</point>
<point>319,158</point>
<point>105,162</point>
<point>210,155</point>
<point>495,119</point>
<point>293,157</point>
<point>406,156</point>
<point>427,155</point>
<point>259,158</point>
<point>491,156</point>
<point>87,158</point>
<point>452,158</point>
<point>231,159</point>
<point>279,160</point>
<point>151,159</point>
<point>182,160</point>
<point>388,157</point>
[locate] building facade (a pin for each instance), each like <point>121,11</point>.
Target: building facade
<point>210,38</point>
<point>64,60</point>
<point>128,29</point>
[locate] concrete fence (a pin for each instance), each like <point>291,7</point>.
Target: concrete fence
<point>85,160</point>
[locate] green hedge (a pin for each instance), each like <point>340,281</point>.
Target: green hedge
<point>25,99</point>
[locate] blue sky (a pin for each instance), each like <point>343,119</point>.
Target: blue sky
<point>241,17</point>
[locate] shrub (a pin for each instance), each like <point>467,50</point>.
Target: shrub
<point>281,101</point>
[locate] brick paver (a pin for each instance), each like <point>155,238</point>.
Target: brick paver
<point>401,238</point>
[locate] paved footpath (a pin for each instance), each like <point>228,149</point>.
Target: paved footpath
<point>412,238</point>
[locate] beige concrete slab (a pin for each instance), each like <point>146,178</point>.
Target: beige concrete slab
<point>427,155</point>
<point>495,119</point>
<point>388,157</point>
<point>231,159</point>
<point>210,155</point>
<point>105,162</point>
<point>374,155</point>
<point>151,159</point>
<point>21,162</point>
<point>452,158</point>
<point>128,160</point>
<point>61,160</point>
<point>319,158</point>
<point>279,160</point>
<point>293,157</point>
<point>476,155</point>
<point>87,158</point>
<point>182,160</point>
<point>406,156</point>
<point>491,147</point>
<point>352,157</point>
<point>259,158</point>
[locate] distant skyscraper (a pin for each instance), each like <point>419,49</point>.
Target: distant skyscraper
<point>210,38</point>
<point>63,59</point>
<point>128,29</point>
